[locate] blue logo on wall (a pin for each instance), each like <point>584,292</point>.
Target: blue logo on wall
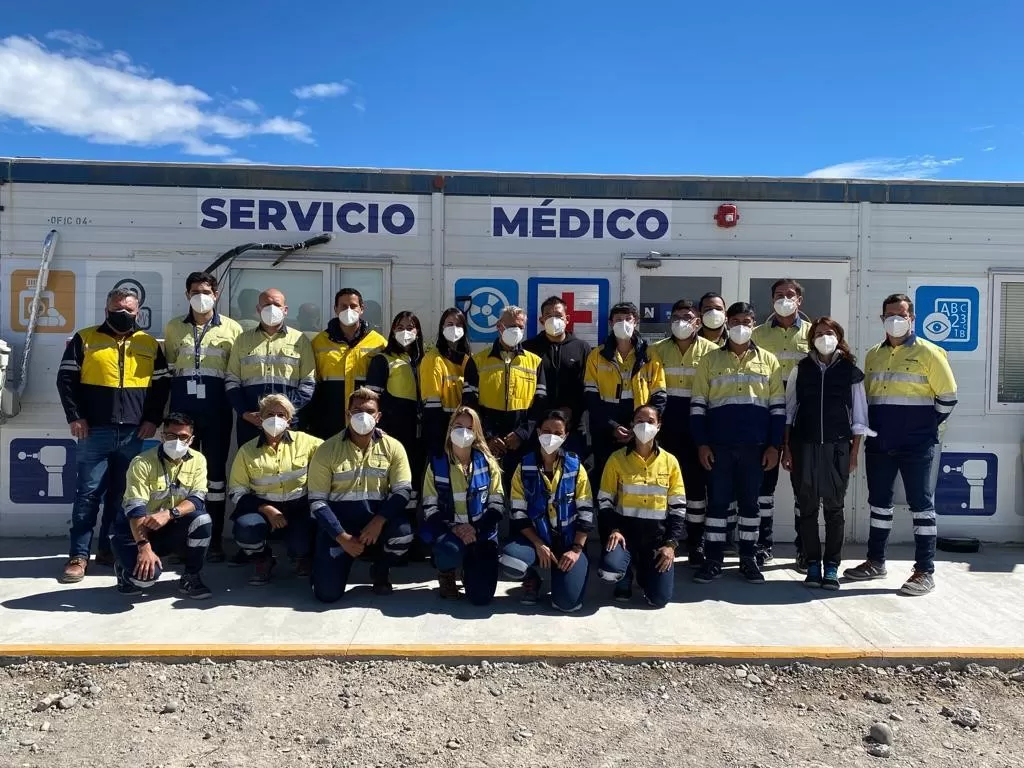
<point>42,471</point>
<point>967,484</point>
<point>947,315</point>
<point>482,299</point>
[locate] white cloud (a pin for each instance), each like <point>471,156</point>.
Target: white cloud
<point>247,105</point>
<point>75,40</point>
<point>321,90</point>
<point>977,128</point>
<point>919,167</point>
<point>238,160</point>
<point>104,98</point>
<point>359,104</point>
<point>988,149</point>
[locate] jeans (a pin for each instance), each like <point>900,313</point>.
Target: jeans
<point>252,531</point>
<point>735,474</point>
<point>621,562</point>
<point>103,458</point>
<point>915,467</point>
<point>479,563</point>
<point>567,588</point>
<point>188,536</point>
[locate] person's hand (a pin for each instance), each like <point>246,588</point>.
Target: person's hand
<point>615,540</point>
<point>787,459</point>
<point>568,561</point>
<point>853,462</point>
<point>770,458</point>
<point>371,531</point>
<point>512,441</point>
<point>545,557</point>
<point>497,446</point>
<point>79,429</point>
<point>253,417</point>
<point>146,563</point>
<point>274,516</point>
<point>466,533</point>
<point>146,430</point>
<point>706,457</point>
<point>157,520</point>
<point>665,557</point>
<point>353,547</point>
<point>622,434</point>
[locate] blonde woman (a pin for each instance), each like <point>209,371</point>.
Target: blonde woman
<point>462,506</point>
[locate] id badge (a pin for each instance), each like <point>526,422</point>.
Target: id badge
<point>200,391</point>
<point>191,386</point>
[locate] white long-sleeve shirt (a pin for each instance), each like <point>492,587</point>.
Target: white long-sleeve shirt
<point>858,397</point>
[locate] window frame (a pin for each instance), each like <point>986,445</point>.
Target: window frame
<point>996,282</point>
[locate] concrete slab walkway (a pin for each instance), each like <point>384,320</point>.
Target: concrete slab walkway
<point>976,613</point>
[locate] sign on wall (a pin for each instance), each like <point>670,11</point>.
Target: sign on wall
<point>482,299</point>
<point>42,470</point>
<point>56,312</point>
<point>967,484</point>
<point>151,283</point>
<point>569,219</point>
<point>586,301</point>
<point>947,315</point>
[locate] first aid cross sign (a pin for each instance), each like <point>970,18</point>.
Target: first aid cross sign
<point>586,302</point>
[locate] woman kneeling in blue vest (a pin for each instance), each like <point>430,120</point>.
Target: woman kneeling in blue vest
<point>552,513</point>
<point>463,504</point>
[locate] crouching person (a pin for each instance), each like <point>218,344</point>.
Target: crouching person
<point>644,505</point>
<point>552,513</point>
<point>164,511</point>
<point>463,504</point>
<point>268,488</point>
<point>359,484</point>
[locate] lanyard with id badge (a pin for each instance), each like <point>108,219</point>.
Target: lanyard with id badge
<point>195,384</point>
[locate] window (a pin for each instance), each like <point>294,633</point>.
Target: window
<point>370,283</point>
<point>305,291</point>
<point>1008,357</point>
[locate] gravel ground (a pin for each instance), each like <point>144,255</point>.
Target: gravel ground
<point>383,714</point>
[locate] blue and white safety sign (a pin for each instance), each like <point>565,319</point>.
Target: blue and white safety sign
<point>967,484</point>
<point>586,301</point>
<point>42,470</point>
<point>947,315</point>
<point>482,299</point>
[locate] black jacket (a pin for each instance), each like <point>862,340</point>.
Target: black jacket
<point>824,401</point>
<point>564,362</point>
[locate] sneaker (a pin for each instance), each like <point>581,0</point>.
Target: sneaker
<point>830,580</point>
<point>750,571</point>
<point>800,565</point>
<point>696,557</point>
<point>74,570</point>
<point>623,591</point>
<point>574,609</point>
<point>304,567</point>
<point>813,575</point>
<point>264,567</point>
<point>124,586</point>
<point>708,572</point>
<point>448,586</point>
<point>105,558</point>
<point>191,586</point>
<point>239,559</point>
<point>764,556</point>
<point>381,579</point>
<point>215,555</point>
<point>866,571</point>
<point>920,583</point>
<point>531,588</point>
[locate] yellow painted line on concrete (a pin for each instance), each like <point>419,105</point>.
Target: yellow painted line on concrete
<point>565,652</point>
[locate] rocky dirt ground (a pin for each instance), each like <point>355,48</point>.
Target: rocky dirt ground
<point>389,714</point>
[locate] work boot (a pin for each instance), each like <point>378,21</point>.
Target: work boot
<point>380,574</point>
<point>764,555</point>
<point>191,586</point>
<point>124,586</point>
<point>448,586</point>
<point>920,583</point>
<point>264,568</point>
<point>750,571</point>
<point>531,588</point>
<point>74,570</point>
<point>708,572</point>
<point>866,571</point>
<point>695,556</point>
<point>105,558</point>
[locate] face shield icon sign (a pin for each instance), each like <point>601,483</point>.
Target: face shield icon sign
<point>42,471</point>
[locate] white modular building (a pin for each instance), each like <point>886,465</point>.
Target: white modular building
<point>426,240</point>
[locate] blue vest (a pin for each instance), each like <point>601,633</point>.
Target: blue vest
<point>476,493</point>
<point>565,499</point>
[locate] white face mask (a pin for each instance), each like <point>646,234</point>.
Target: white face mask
<point>550,443</point>
<point>453,333</point>
<point>740,334</point>
<point>405,338</point>
<point>826,345</point>
<point>512,336</point>
<point>362,423</point>
<point>682,329</point>
<point>272,315</point>
<point>645,432</point>
<point>623,329</point>
<point>274,425</point>
<point>463,437</point>
<point>175,449</point>
<point>554,326</point>
<point>201,303</point>
<point>785,307</point>
<point>348,317</point>
<point>897,326</point>
<point>714,319</point>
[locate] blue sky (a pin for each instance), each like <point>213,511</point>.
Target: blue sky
<point>869,89</point>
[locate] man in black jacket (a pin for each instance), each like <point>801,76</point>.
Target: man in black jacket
<point>565,359</point>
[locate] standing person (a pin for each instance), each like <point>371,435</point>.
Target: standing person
<point>113,384</point>
<point>359,486</point>
<point>198,346</point>
<point>826,419</point>
<point>785,335</point>
<point>738,413</point>
<point>552,515</point>
<point>271,358</point>
<point>513,390</point>
<point>621,376</point>
<point>712,318</point>
<point>679,355</point>
<point>343,352</point>
<point>448,379</point>
<point>911,392</point>
<point>565,362</point>
<point>164,511</point>
<point>463,504</point>
<point>268,489</point>
<point>643,501</point>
